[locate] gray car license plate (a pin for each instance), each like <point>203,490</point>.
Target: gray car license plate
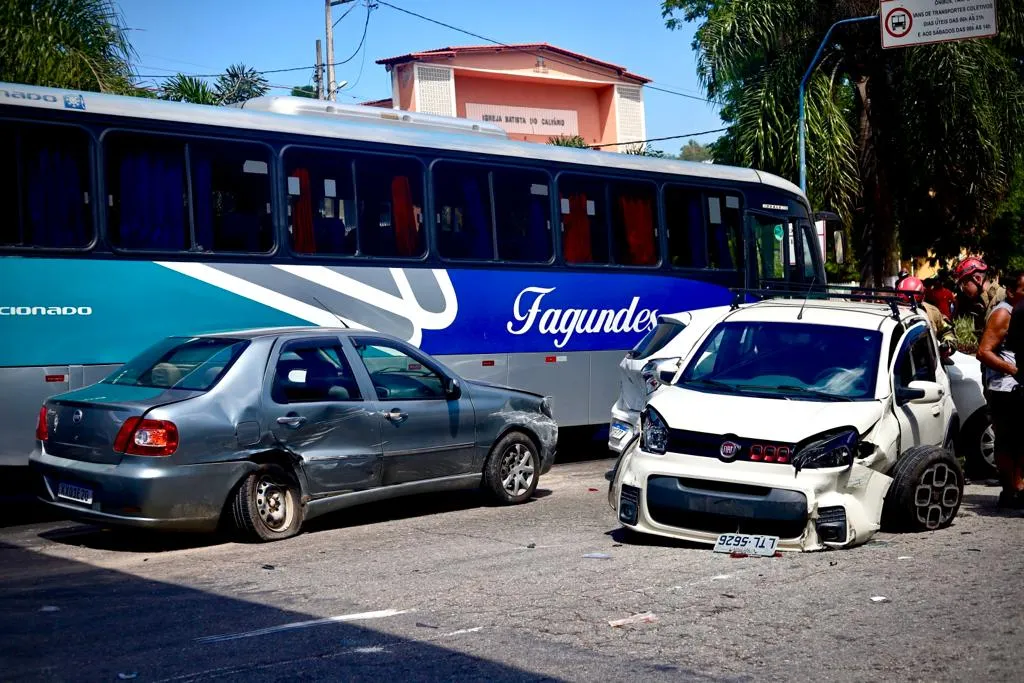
<point>79,494</point>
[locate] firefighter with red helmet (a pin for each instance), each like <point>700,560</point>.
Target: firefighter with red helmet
<point>980,293</point>
<point>913,288</point>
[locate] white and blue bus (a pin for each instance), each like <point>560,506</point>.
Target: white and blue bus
<point>536,266</point>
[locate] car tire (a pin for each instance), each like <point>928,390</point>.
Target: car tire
<point>512,469</point>
<point>976,444</point>
<point>926,492</point>
<point>266,505</point>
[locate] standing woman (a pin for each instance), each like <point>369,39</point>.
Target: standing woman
<point>1005,403</point>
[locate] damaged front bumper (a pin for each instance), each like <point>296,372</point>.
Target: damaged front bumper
<point>695,498</point>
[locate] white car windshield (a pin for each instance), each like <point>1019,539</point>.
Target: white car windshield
<point>787,360</point>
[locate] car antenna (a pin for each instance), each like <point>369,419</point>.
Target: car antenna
<point>800,315</point>
<point>340,319</point>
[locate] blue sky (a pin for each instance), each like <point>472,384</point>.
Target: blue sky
<point>205,36</point>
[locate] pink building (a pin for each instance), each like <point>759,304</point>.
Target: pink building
<point>534,91</point>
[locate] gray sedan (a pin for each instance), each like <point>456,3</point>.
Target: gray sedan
<point>267,428</point>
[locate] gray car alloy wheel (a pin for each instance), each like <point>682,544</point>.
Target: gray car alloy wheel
<point>937,495</point>
<point>273,504</point>
<point>987,446</point>
<point>517,469</point>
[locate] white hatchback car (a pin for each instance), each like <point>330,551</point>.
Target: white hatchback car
<point>794,425</point>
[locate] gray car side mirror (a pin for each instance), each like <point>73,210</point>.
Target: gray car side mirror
<point>452,388</point>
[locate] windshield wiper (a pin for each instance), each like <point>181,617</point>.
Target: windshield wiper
<point>813,392</point>
<point>707,382</point>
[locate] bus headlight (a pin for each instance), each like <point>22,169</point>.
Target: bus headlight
<point>653,432</point>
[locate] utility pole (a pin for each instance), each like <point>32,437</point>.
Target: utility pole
<point>318,76</point>
<point>331,95</point>
<point>332,86</point>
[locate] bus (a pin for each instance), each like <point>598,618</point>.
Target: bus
<point>528,265</point>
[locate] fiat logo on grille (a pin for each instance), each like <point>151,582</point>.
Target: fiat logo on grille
<point>76,416</point>
<point>729,450</point>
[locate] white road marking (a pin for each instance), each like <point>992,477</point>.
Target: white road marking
<point>359,616</point>
<point>464,630</point>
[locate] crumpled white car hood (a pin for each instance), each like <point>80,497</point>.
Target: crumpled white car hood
<point>757,417</point>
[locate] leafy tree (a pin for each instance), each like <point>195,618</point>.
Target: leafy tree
<point>182,88</point>
<point>304,91</point>
<point>568,141</point>
<point>694,151</point>
<point>240,83</point>
<point>915,145</point>
<point>74,44</point>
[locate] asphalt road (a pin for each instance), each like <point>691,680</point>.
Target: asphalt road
<point>444,587</point>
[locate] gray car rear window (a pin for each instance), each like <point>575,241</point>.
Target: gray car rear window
<point>191,363</point>
<point>656,340</point>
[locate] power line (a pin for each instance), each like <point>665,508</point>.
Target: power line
<point>344,15</point>
<point>536,54</point>
<point>370,6</point>
<point>667,137</point>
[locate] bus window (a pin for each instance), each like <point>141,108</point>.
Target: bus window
<point>770,241</point>
<point>231,196</point>
<point>634,212</point>
<point>321,202</point>
<point>584,220</point>
<point>462,204</point>
<point>45,185</point>
<point>522,215</point>
<point>809,245</point>
<point>684,220</point>
<point>147,200</point>
<point>390,213</point>
<point>724,231</point>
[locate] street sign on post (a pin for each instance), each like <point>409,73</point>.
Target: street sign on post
<point>920,22</point>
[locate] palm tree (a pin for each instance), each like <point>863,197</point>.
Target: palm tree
<point>75,44</point>
<point>914,145</point>
<point>568,141</point>
<point>182,88</point>
<point>240,83</point>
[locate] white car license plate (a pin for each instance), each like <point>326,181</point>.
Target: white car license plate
<point>79,494</point>
<point>747,544</point>
<point>619,430</point>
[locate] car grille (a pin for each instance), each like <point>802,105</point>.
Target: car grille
<point>709,446</point>
<point>709,507</point>
<point>831,524</point>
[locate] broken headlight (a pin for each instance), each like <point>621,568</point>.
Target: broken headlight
<point>653,432</point>
<point>836,449</point>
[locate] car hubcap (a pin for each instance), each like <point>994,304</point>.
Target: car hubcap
<point>937,495</point>
<point>987,446</point>
<point>273,504</point>
<point>517,470</point>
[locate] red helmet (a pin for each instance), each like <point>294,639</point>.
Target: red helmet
<point>968,267</point>
<point>913,286</point>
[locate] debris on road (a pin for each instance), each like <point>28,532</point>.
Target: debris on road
<point>880,598</point>
<point>49,608</point>
<point>904,557</point>
<point>597,556</point>
<point>591,489</point>
<point>268,567</point>
<point>644,618</point>
<point>420,624</point>
<point>531,545</point>
<point>128,676</point>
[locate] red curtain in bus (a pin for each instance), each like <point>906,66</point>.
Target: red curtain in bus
<point>404,217</point>
<point>577,231</point>
<point>638,218</point>
<point>302,215</point>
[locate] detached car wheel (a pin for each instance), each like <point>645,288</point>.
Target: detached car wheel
<point>266,505</point>
<point>512,469</point>
<point>978,446</point>
<point>927,488</point>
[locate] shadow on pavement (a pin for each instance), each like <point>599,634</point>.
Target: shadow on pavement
<point>66,620</point>
<point>985,505</point>
<point>149,541</point>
